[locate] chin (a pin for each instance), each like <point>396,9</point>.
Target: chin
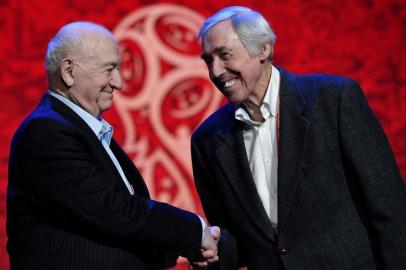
<point>106,106</point>
<point>234,99</point>
<point>234,96</point>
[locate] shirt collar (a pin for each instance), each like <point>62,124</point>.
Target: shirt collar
<point>100,127</point>
<point>269,106</point>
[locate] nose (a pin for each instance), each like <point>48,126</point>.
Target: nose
<point>217,68</point>
<point>116,80</point>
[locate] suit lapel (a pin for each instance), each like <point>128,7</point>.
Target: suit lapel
<point>93,142</point>
<point>291,140</point>
<point>233,160</point>
<point>130,171</point>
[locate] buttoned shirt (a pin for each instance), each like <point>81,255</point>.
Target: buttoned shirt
<point>103,131</point>
<point>261,145</point>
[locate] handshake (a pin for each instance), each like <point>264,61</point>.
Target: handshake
<point>208,250</point>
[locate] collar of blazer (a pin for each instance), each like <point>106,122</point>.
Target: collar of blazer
<point>233,159</point>
<point>95,148</point>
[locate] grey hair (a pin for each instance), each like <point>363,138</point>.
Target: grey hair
<point>70,41</point>
<point>250,26</point>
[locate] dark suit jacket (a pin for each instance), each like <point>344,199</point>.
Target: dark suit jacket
<point>68,208</point>
<point>341,199</point>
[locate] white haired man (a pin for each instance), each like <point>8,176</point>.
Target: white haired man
<point>296,170</point>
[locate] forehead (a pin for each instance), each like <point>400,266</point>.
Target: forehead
<point>221,35</point>
<point>103,50</point>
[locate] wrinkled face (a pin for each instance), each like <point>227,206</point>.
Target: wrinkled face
<point>232,69</point>
<point>97,76</point>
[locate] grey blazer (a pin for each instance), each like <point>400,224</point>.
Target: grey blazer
<point>341,199</point>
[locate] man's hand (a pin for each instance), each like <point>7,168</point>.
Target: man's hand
<point>208,251</point>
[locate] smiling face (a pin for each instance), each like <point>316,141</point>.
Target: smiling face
<point>240,77</point>
<point>96,74</point>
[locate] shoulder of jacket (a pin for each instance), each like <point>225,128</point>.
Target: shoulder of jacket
<point>214,122</point>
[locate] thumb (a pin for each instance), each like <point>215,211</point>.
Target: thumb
<point>215,232</point>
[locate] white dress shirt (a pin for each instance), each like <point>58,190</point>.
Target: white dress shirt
<point>261,145</point>
<point>103,131</point>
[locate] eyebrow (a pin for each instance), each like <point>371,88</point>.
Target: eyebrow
<point>113,63</point>
<point>216,50</point>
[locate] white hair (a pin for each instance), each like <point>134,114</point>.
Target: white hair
<point>70,40</point>
<point>250,26</point>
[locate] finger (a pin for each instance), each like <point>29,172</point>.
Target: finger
<point>200,264</point>
<point>195,267</point>
<point>213,260</point>
<point>208,253</point>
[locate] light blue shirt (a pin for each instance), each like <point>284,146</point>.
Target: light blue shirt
<point>103,131</point>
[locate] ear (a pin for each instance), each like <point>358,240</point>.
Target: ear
<point>266,51</point>
<point>67,71</point>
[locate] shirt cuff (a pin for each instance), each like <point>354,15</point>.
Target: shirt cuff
<point>204,226</point>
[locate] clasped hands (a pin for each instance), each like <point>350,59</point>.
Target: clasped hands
<point>208,250</point>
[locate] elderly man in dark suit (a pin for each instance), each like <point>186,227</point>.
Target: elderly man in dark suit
<point>75,199</point>
<point>295,169</point>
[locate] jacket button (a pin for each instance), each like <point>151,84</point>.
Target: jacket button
<point>283,251</point>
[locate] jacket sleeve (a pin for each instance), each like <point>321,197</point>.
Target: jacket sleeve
<point>381,192</point>
<point>211,201</point>
<point>68,183</point>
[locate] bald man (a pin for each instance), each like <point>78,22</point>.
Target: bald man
<point>75,199</point>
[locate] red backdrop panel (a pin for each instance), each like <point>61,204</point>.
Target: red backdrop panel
<point>167,92</point>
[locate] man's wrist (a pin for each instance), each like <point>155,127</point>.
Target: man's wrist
<point>204,226</point>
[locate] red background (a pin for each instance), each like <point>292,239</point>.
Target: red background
<point>361,39</point>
